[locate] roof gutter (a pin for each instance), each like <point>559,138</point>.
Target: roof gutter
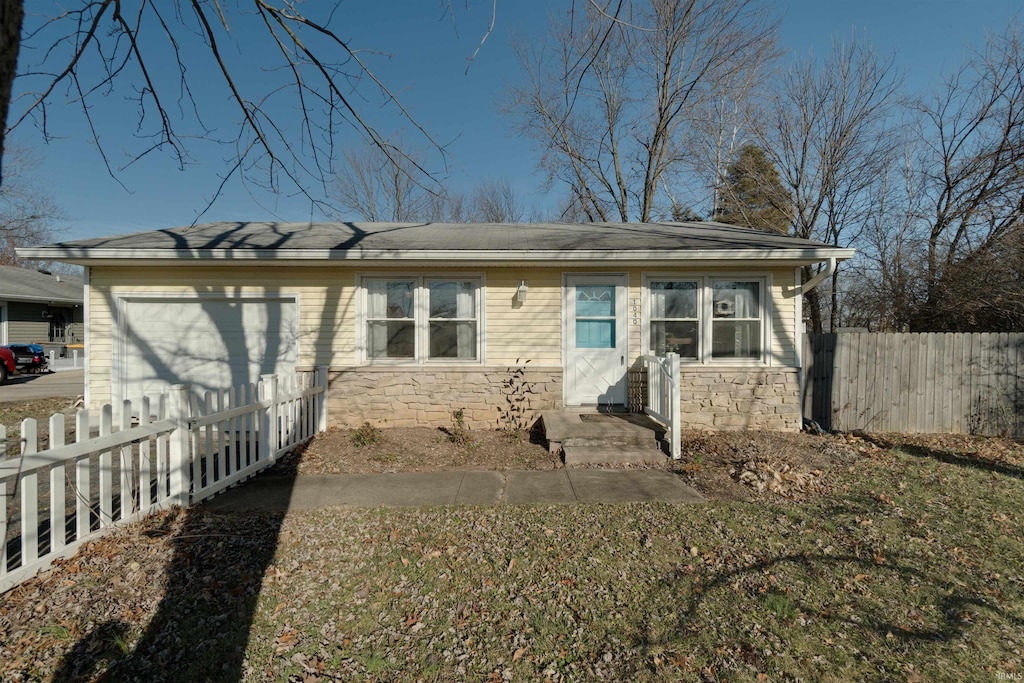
<point>41,299</point>
<point>829,271</point>
<point>76,254</point>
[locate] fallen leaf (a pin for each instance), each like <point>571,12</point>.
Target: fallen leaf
<point>518,654</point>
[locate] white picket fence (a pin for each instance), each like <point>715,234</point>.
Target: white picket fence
<point>663,397</point>
<point>173,449</point>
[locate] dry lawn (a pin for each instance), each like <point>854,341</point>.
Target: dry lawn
<point>889,558</point>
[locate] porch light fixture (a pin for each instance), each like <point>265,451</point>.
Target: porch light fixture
<point>521,291</point>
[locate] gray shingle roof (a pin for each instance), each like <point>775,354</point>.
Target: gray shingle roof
<point>23,284</point>
<point>434,241</point>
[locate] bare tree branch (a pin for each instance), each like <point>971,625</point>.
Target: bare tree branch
<point>287,130</point>
<point>610,103</point>
<point>827,133</point>
<point>27,216</point>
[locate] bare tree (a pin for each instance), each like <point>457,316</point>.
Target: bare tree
<point>313,86</point>
<point>374,188</point>
<point>11,15</point>
<point>885,283</point>
<point>969,174</point>
<point>610,98</point>
<point>827,131</point>
<point>721,127</point>
<point>27,216</point>
<point>495,201</point>
<point>446,207</point>
<point>378,188</point>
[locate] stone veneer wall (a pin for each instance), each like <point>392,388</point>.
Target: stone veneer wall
<point>740,398</point>
<point>426,397</point>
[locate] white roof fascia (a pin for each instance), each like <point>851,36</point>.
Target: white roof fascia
<point>39,299</point>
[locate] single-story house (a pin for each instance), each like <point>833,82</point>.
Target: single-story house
<point>415,320</point>
<point>38,307</point>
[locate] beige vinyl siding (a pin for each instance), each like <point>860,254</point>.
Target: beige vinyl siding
<point>784,322</point>
<point>327,307</point>
<point>532,330</point>
<point>99,337</point>
<point>326,298</point>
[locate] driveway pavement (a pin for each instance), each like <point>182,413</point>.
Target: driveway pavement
<point>69,383</point>
<point>423,489</point>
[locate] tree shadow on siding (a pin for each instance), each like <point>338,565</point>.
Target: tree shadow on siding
<point>201,626</point>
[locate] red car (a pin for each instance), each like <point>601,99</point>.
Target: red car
<point>7,364</point>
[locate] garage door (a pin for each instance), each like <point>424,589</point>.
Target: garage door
<point>210,343</point>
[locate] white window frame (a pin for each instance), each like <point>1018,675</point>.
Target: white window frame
<point>645,307</point>
<point>421,317</point>
<point>705,299</point>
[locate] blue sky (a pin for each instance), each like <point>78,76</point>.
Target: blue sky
<point>423,58</point>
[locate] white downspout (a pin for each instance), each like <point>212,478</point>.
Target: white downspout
<point>829,271</point>
<point>804,288</point>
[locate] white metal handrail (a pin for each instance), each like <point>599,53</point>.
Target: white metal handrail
<point>663,396</point>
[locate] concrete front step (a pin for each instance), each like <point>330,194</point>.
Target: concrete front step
<point>579,455</point>
<point>587,430</point>
<point>645,439</point>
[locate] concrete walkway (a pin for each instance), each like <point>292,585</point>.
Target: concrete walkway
<point>425,489</point>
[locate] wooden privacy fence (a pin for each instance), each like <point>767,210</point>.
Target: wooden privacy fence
<point>173,449</point>
<point>905,382</point>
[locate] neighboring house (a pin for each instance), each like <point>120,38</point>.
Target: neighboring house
<point>37,307</point>
<point>417,320</point>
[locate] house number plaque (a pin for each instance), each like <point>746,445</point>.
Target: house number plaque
<point>634,305</point>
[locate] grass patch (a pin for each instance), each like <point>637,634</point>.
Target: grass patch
<point>910,567</point>
<point>13,412</point>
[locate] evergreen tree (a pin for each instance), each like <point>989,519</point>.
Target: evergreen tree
<point>683,214</point>
<point>753,195</point>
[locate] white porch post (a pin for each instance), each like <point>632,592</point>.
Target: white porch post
<point>321,413</point>
<point>676,409</point>
<point>181,483</point>
<point>271,429</point>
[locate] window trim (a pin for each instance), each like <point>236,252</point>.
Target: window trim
<point>421,317</point>
<point>699,293</point>
<point>705,303</point>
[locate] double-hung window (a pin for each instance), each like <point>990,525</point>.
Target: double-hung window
<point>391,319</point>
<point>675,318</point>
<point>452,332</point>
<point>707,319</point>
<point>736,319</point>
<point>421,319</point>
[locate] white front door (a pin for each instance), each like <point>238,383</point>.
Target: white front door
<point>595,333</point>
